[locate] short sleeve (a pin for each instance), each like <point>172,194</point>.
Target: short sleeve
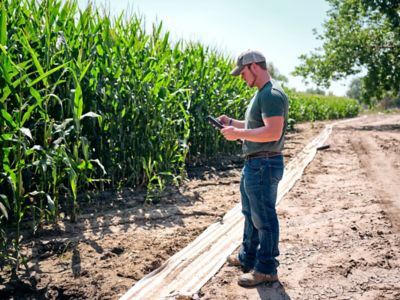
<point>272,105</point>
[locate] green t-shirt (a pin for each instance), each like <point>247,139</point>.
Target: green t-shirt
<point>269,101</point>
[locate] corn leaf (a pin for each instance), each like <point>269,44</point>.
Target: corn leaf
<point>3,24</point>
<point>46,74</point>
<point>26,132</point>
<point>90,115</point>
<point>8,118</point>
<point>34,55</point>
<point>3,209</point>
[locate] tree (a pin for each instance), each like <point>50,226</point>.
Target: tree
<point>316,91</point>
<point>355,88</point>
<point>275,73</point>
<point>358,35</point>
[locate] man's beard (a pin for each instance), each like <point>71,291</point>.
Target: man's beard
<point>252,84</point>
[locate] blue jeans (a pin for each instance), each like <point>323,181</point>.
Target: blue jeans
<point>258,188</point>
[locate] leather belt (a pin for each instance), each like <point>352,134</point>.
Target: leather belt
<point>262,154</point>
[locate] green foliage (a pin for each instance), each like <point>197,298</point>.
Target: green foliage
<point>355,89</point>
<point>359,35</point>
<point>89,103</point>
<point>312,107</point>
<point>316,91</point>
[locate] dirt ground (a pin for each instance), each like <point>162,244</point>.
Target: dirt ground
<point>340,228</point>
<point>340,236</point>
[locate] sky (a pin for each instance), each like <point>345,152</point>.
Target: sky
<point>282,30</point>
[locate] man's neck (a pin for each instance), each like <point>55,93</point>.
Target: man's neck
<point>263,79</point>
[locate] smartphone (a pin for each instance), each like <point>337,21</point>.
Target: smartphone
<point>214,122</point>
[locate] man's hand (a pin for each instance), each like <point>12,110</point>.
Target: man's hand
<point>227,121</point>
<point>231,133</point>
<point>271,132</point>
<point>224,120</point>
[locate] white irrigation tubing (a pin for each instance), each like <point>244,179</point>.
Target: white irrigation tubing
<point>188,270</point>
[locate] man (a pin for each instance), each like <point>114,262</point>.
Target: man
<point>262,133</point>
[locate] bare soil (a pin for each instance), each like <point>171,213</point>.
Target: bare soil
<point>340,227</point>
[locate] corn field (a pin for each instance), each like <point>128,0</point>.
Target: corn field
<point>307,107</point>
<point>89,103</point>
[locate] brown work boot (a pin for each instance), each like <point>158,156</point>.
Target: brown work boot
<point>254,278</point>
<point>234,261</point>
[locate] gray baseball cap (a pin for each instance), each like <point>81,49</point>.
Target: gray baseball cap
<point>246,58</point>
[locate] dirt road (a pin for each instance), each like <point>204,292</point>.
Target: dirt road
<point>340,233</point>
<point>340,228</point>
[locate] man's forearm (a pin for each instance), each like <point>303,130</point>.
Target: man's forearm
<point>237,123</point>
<point>272,131</point>
<point>260,135</point>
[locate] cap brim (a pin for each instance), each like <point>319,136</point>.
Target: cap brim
<point>236,71</point>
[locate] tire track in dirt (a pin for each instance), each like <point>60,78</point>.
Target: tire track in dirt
<point>379,155</point>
